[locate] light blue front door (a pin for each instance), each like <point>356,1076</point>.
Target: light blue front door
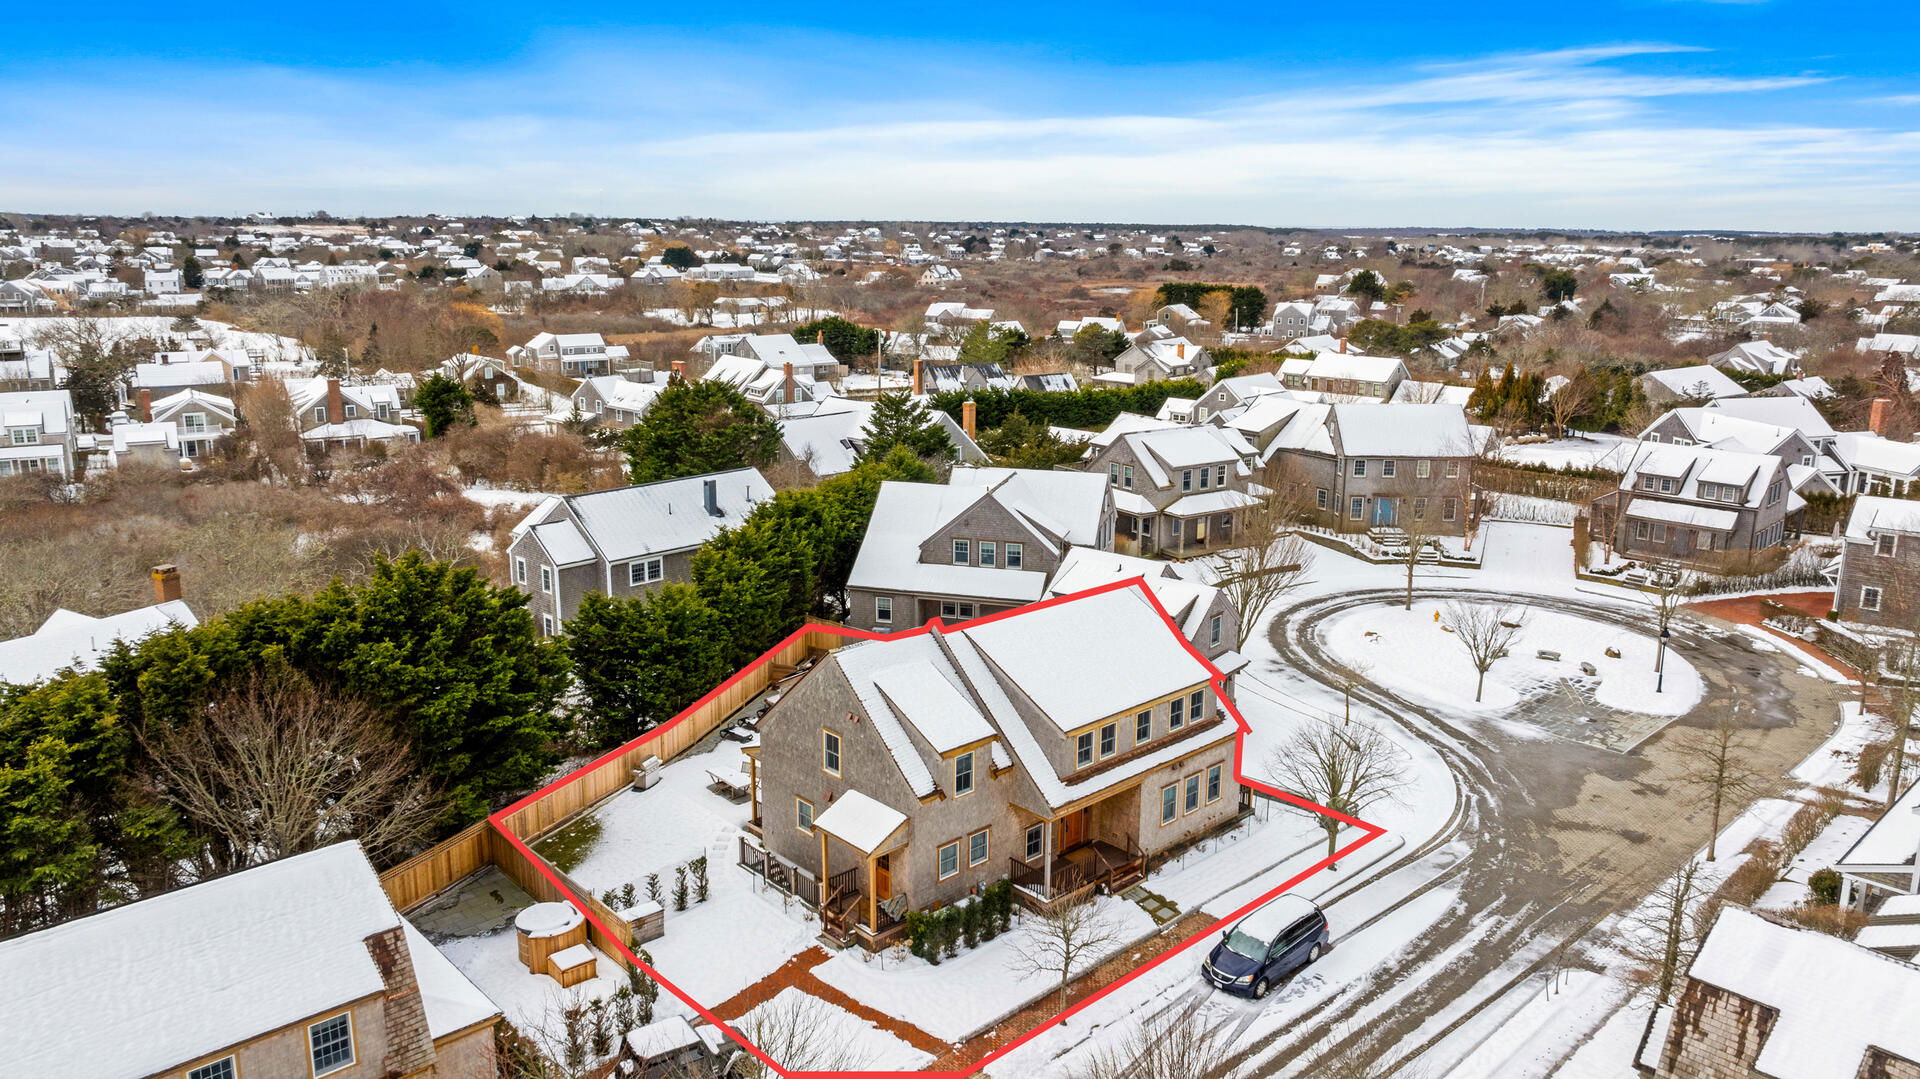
<point>1384,515</point>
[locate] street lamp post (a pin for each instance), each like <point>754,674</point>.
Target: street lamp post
<point>1660,662</point>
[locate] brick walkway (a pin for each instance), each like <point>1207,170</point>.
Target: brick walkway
<point>1044,1010</point>
<point>797,973</point>
<point>1746,611</point>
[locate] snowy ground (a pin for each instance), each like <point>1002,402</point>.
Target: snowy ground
<point>857,1045</point>
<point>1587,451</point>
<point>531,1002</point>
<point>1416,654</point>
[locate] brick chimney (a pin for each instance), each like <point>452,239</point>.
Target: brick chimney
<point>967,420</point>
<point>1343,342</point>
<point>1877,415</point>
<point>146,406</point>
<point>1180,351</point>
<point>409,1040</point>
<point>166,583</point>
<point>336,406</point>
<point>680,370</point>
<point>789,383</point>
<point>916,377</point>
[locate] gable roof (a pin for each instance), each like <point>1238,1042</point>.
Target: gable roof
<point>142,988</point>
<point>1699,380</point>
<point>1402,430</point>
<point>624,523</point>
<point>1872,513</point>
<point>70,639</point>
<point>904,515</point>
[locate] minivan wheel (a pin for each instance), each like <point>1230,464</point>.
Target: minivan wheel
<point>1315,954</point>
<point>1260,989</point>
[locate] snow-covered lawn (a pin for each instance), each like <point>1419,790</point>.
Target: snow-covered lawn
<point>852,1043</point>
<point>744,930</point>
<point>1587,451</point>
<point>971,990</point>
<point>1417,654</point>
<point>532,1002</point>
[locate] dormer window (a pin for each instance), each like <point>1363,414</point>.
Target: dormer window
<point>1176,714</point>
<point>1220,476</point>
<point>963,774</point>
<point>1883,545</point>
<point>1186,479</point>
<point>24,436</point>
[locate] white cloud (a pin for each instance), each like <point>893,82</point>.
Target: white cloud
<point>1570,137</point>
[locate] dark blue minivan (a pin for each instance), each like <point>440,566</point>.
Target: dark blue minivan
<point>1268,945</point>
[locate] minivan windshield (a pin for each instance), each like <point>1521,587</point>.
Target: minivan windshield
<point>1241,944</point>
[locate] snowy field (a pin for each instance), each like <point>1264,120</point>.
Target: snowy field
<point>1417,654</point>
<point>857,1045</point>
<point>1587,451</point>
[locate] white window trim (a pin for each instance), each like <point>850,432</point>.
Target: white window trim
<point>883,609</point>
<point>839,751</point>
<point>645,571</point>
<point>938,860</point>
<point>987,852</point>
<point>1167,817</point>
<point>972,774</point>
<point>806,828</point>
<point>353,1048</point>
<point>232,1062</point>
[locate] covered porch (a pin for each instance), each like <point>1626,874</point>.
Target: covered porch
<point>858,901</point>
<point>1081,850</point>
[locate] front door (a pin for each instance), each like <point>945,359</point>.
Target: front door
<point>1074,828</point>
<point>883,877</point>
<point>1199,525</point>
<point>1384,515</point>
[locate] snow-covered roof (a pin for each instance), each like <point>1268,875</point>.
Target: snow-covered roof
<point>904,515</point>
<point>1211,502</point>
<point>661,1037</point>
<point>1873,514</point>
<point>1894,839</point>
<point>143,988</point>
<point>1796,412</point>
<point>1433,430</point>
<point>1868,451</point>
<point>1835,999</point>
<point>860,822</point>
<point>70,639</point>
<point>1683,513</point>
<point>1354,367</point>
<point>625,523</point>
<point>1186,599</point>
<point>1117,634</point>
<point>1699,380</point>
<point>1163,451</point>
<point>1127,423</point>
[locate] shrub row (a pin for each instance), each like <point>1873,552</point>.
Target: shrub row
<point>934,935</point>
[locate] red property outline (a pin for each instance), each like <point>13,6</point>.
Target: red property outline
<point>1372,831</point>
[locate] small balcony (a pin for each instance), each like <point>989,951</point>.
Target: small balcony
<point>1096,866</point>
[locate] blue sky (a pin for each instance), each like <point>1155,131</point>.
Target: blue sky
<point>1766,114</point>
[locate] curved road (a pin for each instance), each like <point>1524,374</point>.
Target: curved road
<point>1556,834</point>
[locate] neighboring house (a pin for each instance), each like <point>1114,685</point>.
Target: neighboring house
<point>171,372</point>
<point>1876,465</point>
<point>1347,374</point>
<point>1178,489</point>
<point>572,355</point>
<point>1692,502</point>
<point>985,541</point>
<point>332,413</point>
<point>1048,382</point>
<point>1683,384</point>
<point>829,434</point>
<point>131,442</point>
<point>1879,582</point>
<point>1153,359</point>
<point>617,401</point>
<point>626,541</point>
<point>1883,862</point>
<point>1229,396</point>
<point>200,418</point>
<point>38,435</point>
<point>939,276</point>
<point>1292,319</point>
<point>23,369</point>
<point>70,639</point>
<point>905,773</point>
<point>1757,358</point>
<point>298,967</point>
<point>1067,327</point>
<point>772,370</point>
<point>1808,466</point>
<point>1766,997</point>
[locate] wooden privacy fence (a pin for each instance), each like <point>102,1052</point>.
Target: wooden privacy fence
<point>460,856</point>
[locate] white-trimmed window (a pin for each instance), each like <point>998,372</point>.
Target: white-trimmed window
<point>1356,508</point>
<point>1449,509</point>
<point>1186,479</point>
<point>1422,469</point>
<point>645,571</point>
<point>949,859</point>
<point>829,751</point>
<point>1109,740</point>
<point>1388,469</point>
<point>977,847</point>
<point>1869,598</point>
<point>1205,475</point>
<point>989,553</point>
<point>383,412</point>
<point>546,625</point>
<point>1036,841</point>
<point>1214,776</point>
<point>1419,509</point>
<point>1213,630</point>
<point>1016,555</point>
<point>1320,497</point>
<point>25,436</point>
<point>1083,749</point>
<point>546,579</point>
<point>1883,545</point>
<point>1176,714</point>
<point>1143,727</point>
<point>351,412</point>
<point>1126,476</point>
<point>193,422</point>
<point>962,552</point>
<point>519,571</point>
<point>1359,468</point>
<point>320,414</point>
<point>1193,793</point>
<point>1453,470</point>
<point>950,609</point>
<point>331,1043</point>
<point>1220,475</point>
<point>883,608</point>
<point>803,815</point>
<point>1169,803</point>
<point>963,774</point>
<point>1197,704</point>
<point>1113,474</point>
<point>214,1069</point>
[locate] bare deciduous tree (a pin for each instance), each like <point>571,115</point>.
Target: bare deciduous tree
<point>1663,934</point>
<point>1170,1045</point>
<point>1061,939</point>
<point>1714,768</point>
<point>1345,767</point>
<point>800,1033</point>
<point>1270,561</point>
<point>279,767</point>
<point>1486,632</point>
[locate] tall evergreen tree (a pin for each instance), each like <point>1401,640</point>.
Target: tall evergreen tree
<point>444,403</point>
<point>899,420</point>
<point>694,428</point>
